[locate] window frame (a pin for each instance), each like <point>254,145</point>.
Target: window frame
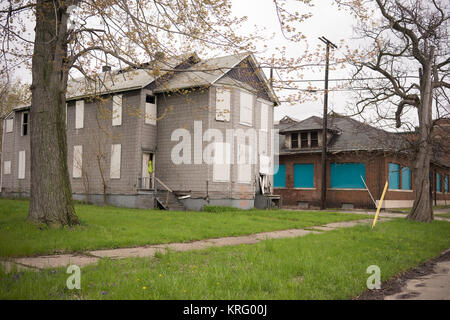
<point>23,124</point>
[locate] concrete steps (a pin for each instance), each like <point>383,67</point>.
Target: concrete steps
<point>173,204</point>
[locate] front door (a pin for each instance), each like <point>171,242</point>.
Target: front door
<point>146,176</point>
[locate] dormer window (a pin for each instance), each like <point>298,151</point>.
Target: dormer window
<point>314,140</point>
<point>304,139</point>
<point>307,140</point>
<point>294,140</point>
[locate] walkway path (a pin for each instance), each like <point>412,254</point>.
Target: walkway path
<point>91,257</point>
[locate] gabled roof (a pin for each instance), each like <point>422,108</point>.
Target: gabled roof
<point>125,79</point>
<point>311,123</point>
<point>210,71</point>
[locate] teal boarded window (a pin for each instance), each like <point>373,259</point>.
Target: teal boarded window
<point>304,175</point>
<point>438,182</point>
<point>348,175</point>
<point>406,178</point>
<point>394,176</point>
<point>446,184</point>
<point>279,179</point>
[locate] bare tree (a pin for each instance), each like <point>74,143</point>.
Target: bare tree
<point>405,66</point>
<point>80,35</point>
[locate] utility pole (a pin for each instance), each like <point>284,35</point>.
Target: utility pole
<point>323,198</point>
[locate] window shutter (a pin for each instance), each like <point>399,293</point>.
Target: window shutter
<point>9,125</point>
<point>116,151</point>
<point>117,110</point>
<point>79,114</point>
<point>7,167</point>
<point>223,104</point>
<point>221,163</point>
<point>150,113</point>
<point>77,161</point>
<point>21,165</point>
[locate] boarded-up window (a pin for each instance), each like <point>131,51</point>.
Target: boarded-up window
<point>79,114</point>
<point>117,110</point>
<point>394,176</point>
<point>246,108</point>
<point>150,110</point>
<point>221,164</point>
<point>264,116</point>
<point>244,163</point>
<point>304,175</point>
<point>21,170</point>
<point>116,152</point>
<point>9,125</point>
<point>223,104</point>
<point>7,167</point>
<point>77,161</point>
<point>279,178</point>
<point>348,175</point>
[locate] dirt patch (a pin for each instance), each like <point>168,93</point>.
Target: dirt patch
<point>396,284</point>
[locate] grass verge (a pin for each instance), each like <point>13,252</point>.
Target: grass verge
<point>330,265</point>
<point>112,227</point>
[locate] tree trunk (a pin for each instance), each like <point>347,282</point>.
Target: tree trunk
<point>51,193</point>
<point>422,209</point>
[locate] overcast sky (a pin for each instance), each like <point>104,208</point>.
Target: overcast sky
<point>326,21</point>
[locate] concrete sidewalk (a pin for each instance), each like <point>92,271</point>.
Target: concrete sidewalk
<point>92,257</point>
<point>434,286</point>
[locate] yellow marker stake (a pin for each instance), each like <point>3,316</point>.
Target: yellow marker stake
<point>379,205</point>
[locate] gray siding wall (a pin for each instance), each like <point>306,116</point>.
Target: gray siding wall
<point>180,111</point>
<point>235,189</point>
<point>97,136</point>
<point>13,143</point>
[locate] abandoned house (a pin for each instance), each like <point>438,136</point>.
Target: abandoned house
<point>124,132</point>
<point>360,159</point>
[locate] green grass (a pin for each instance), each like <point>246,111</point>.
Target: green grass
<point>112,227</point>
<point>330,265</point>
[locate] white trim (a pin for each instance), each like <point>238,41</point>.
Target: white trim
<point>401,190</point>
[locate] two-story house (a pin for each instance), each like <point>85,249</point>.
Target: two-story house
<point>182,139</point>
<point>360,159</point>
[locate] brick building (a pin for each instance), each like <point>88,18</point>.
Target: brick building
<point>360,159</point>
